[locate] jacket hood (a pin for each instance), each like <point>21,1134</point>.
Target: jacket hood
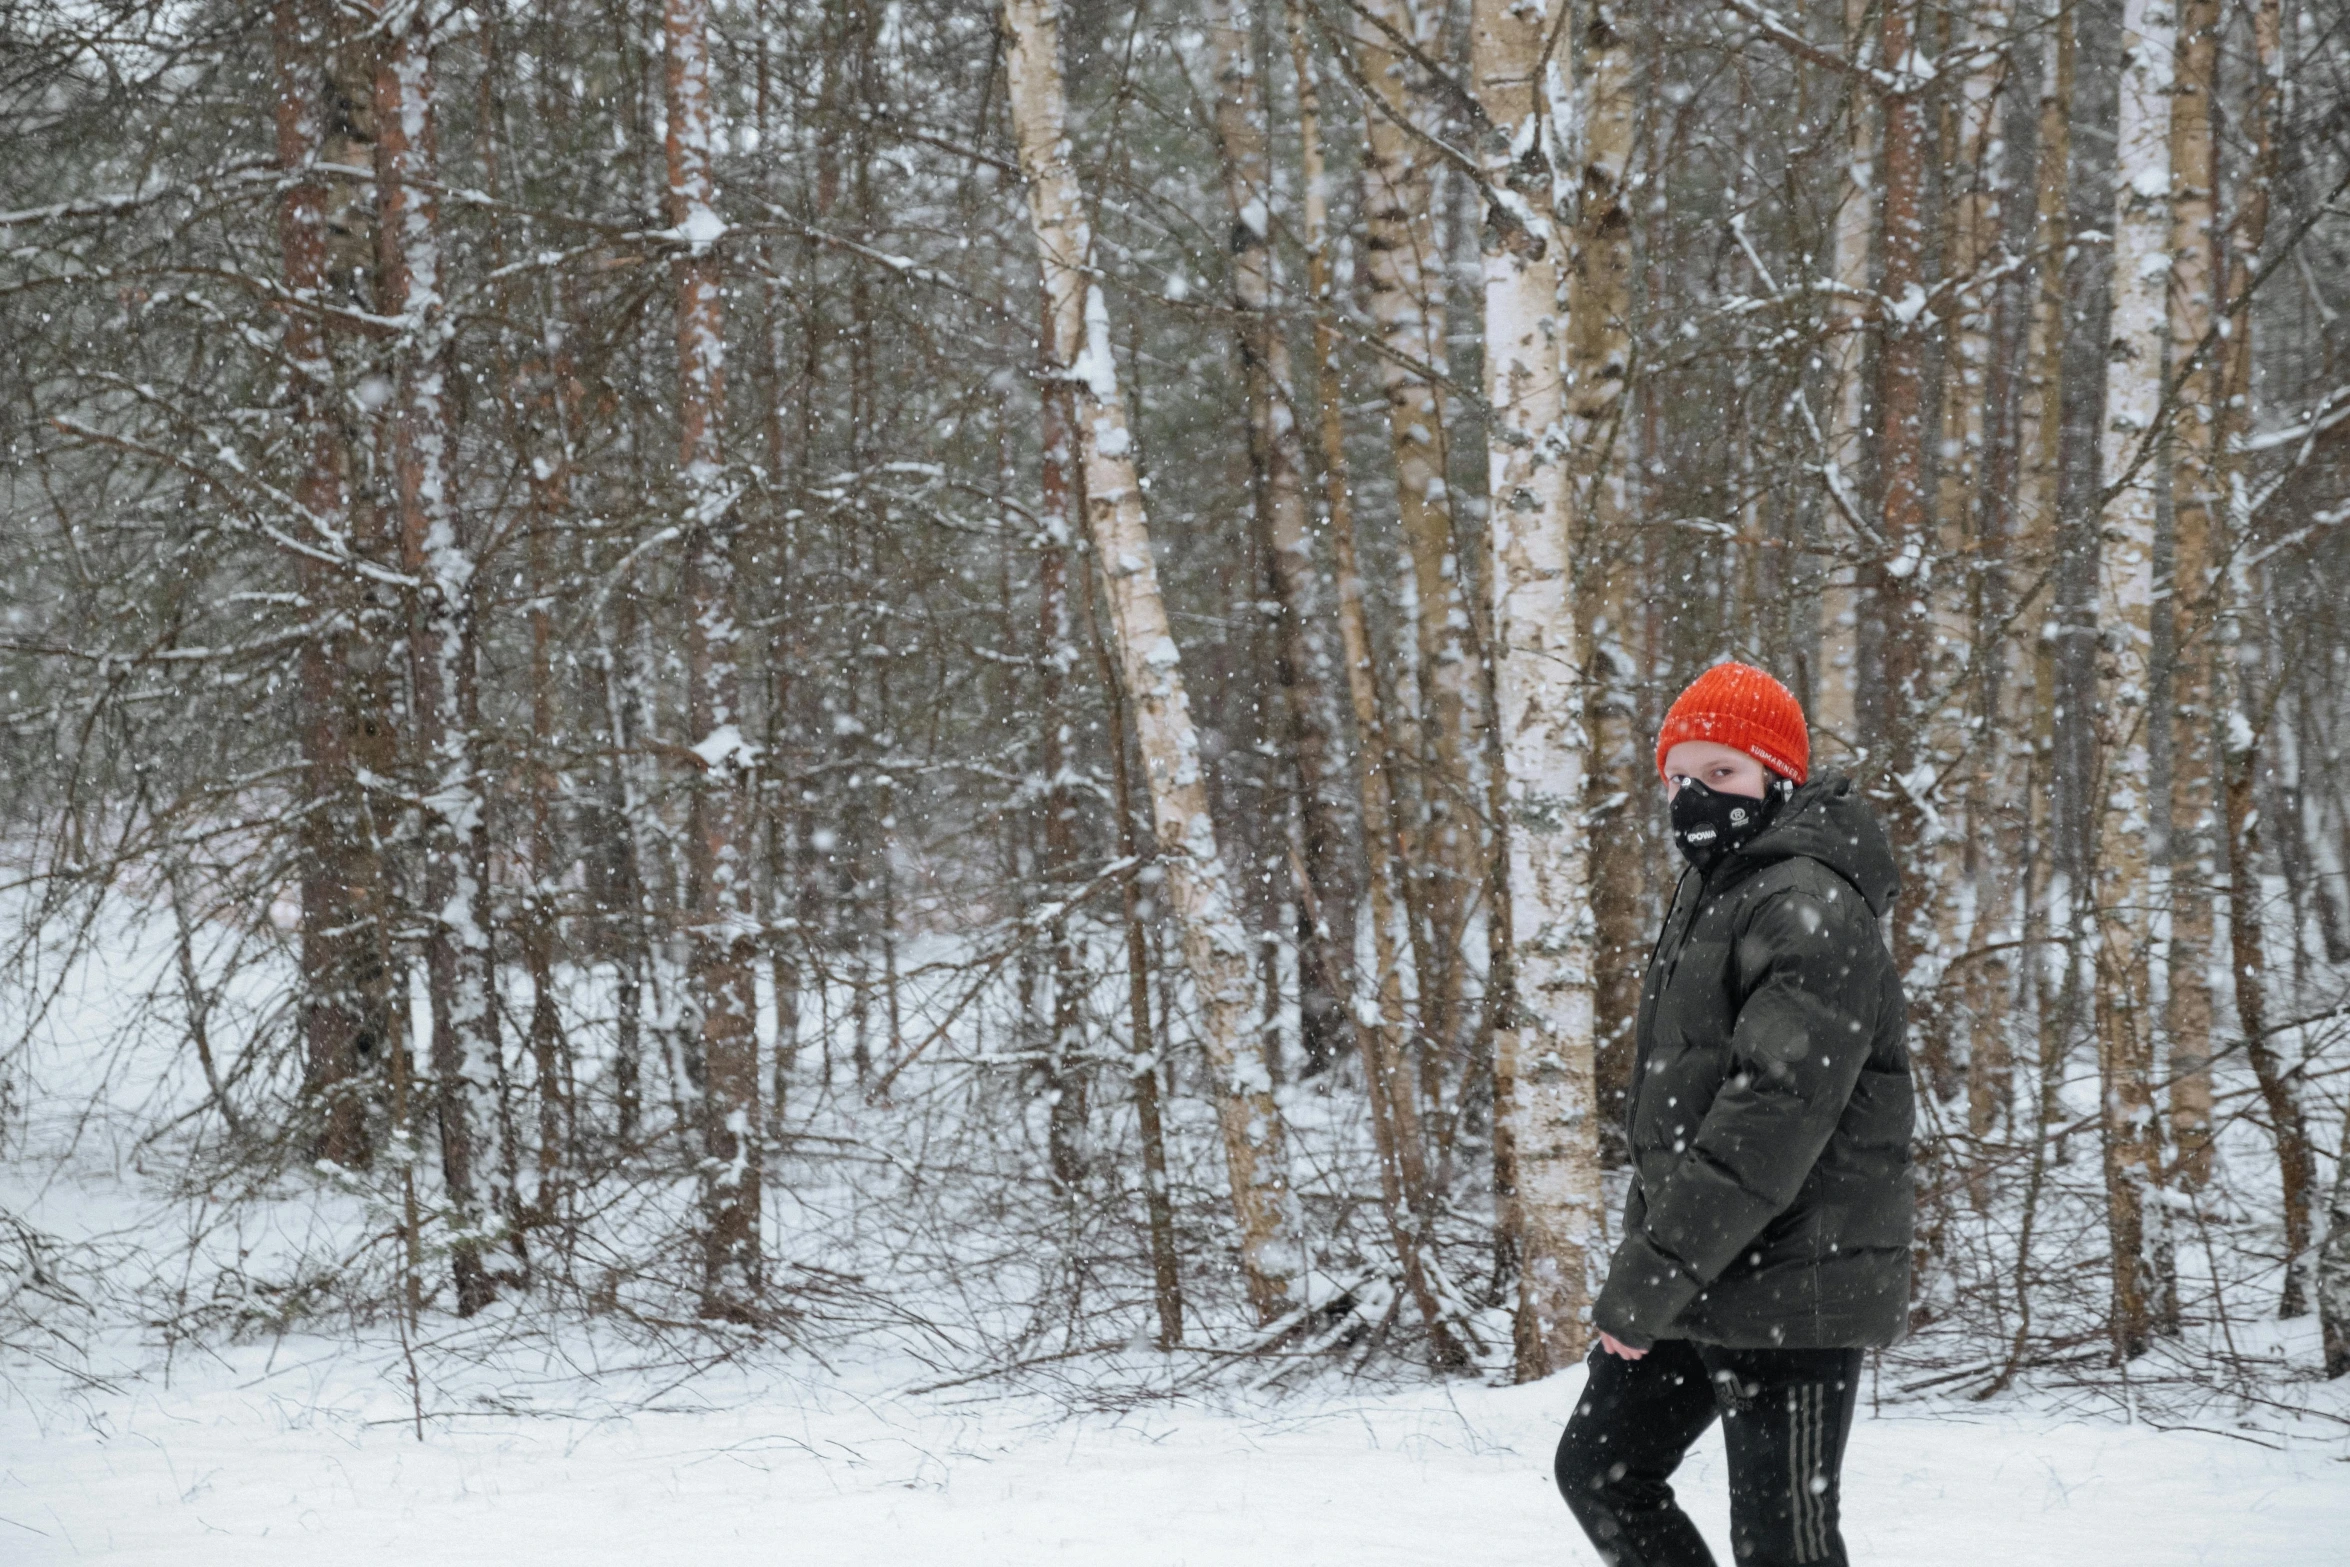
<point>1827,820</point>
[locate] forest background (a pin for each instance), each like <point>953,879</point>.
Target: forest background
<point>769,673</point>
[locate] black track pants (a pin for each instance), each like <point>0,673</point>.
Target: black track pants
<point>1785,1414</point>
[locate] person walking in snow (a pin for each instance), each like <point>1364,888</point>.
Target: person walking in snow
<point>1767,1233</point>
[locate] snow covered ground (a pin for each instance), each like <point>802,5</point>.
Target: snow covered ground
<point>550,1439</point>
<point>305,1453</point>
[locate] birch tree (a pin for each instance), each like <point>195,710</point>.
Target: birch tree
<point>372,571</point>
<point>1216,947</point>
<point>441,651</point>
<point>1543,1038</point>
<point>2194,358</point>
<point>1835,711</point>
<point>2040,460</point>
<point>1143,1068</point>
<point>1056,653</point>
<point>1968,254</point>
<point>2129,887</point>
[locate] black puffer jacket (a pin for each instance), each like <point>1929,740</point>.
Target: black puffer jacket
<point>1771,1113</point>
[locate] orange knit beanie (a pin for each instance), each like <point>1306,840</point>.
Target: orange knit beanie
<point>1739,706</point>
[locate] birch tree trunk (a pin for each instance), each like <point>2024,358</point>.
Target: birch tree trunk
<point>1599,366</point>
<point>1217,950</point>
<point>1057,503</point>
<point>1143,1059</point>
<point>455,906</point>
<point>1974,215</point>
<point>540,394</point>
<point>1543,1045</point>
<point>1998,856</point>
<point>2040,437</point>
<point>2195,393</point>
<point>619,872</point>
<point>1835,711</point>
<point>2129,887</point>
<point>1403,268</point>
<point>542,928</point>
<point>788,410</point>
<point>723,934</point>
<point>2041,417</point>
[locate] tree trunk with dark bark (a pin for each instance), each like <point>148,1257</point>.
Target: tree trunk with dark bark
<point>723,936</point>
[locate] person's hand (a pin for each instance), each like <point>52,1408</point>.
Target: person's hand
<point>1617,1347</point>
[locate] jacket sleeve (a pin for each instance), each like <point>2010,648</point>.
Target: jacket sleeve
<point>1807,965</point>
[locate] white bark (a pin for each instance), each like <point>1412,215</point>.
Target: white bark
<point>1835,709</point>
<point>2039,435</point>
<point>2129,887</point>
<point>1599,435</point>
<point>1974,916</point>
<point>1973,235</point>
<point>1217,950</point>
<point>440,650</point>
<point>2040,417</point>
<point>1544,1045</point>
<point>2195,377</point>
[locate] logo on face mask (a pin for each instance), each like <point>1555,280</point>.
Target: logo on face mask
<point>1707,825</point>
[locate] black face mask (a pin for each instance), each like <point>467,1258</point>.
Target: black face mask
<point>1707,826</point>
